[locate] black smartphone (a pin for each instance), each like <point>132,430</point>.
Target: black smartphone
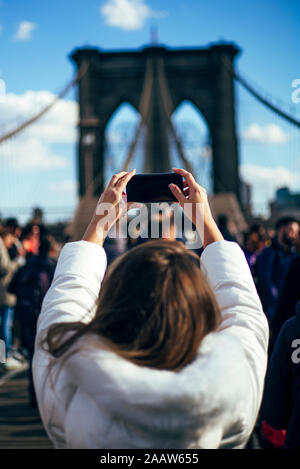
<point>152,187</point>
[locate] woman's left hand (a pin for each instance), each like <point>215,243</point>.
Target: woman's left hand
<point>112,204</point>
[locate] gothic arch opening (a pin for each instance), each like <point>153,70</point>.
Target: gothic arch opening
<point>194,133</point>
<point>119,133</point>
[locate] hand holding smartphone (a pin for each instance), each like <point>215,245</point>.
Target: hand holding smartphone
<point>153,187</point>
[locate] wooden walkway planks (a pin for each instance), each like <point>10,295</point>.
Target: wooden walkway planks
<point>20,425</point>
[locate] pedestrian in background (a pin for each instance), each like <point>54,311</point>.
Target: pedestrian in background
<point>273,263</point>
<point>7,301</point>
<point>30,285</point>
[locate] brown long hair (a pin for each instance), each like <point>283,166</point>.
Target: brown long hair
<point>154,308</point>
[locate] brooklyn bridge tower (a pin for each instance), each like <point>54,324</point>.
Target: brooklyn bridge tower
<point>155,80</point>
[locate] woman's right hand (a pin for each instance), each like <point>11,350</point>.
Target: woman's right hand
<point>195,204</point>
<point>109,208</point>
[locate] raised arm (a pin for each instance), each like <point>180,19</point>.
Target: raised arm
<point>225,266</point>
<point>194,202</point>
<point>81,265</point>
<point>227,270</point>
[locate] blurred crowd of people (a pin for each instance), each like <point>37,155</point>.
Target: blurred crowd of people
<point>27,262</point>
<point>274,259</point>
<point>273,256</point>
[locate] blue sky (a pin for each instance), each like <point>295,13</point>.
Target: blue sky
<point>37,37</point>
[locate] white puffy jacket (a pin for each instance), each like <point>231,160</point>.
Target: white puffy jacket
<point>96,399</point>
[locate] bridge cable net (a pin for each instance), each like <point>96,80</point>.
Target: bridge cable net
<point>66,89</point>
<point>144,110</point>
<point>168,108</point>
<point>281,161</point>
<point>266,102</point>
<point>9,141</point>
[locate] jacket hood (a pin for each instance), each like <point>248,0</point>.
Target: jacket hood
<point>140,404</point>
<point>99,400</point>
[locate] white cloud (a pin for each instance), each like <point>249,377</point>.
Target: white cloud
<point>32,148</point>
<point>269,177</point>
<point>56,126</point>
<point>24,31</point>
<point>114,137</point>
<point>27,154</point>
<point>67,186</point>
<point>265,181</point>
<point>270,133</point>
<point>128,14</point>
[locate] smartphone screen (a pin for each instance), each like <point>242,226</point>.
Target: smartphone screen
<point>153,187</point>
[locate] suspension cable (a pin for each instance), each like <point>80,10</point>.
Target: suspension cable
<point>143,109</point>
<point>259,97</point>
<point>78,77</point>
<point>168,108</point>
<point>265,101</point>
